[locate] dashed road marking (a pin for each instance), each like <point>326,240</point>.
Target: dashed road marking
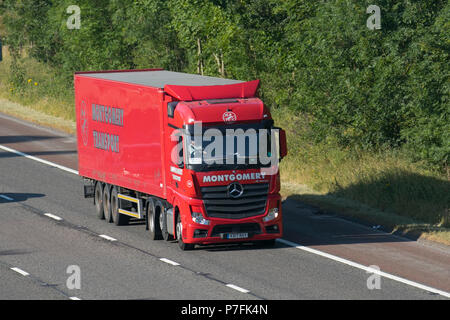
<point>169,261</point>
<point>235,287</point>
<point>52,164</point>
<point>18,270</point>
<point>52,216</point>
<point>104,236</point>
<point>286,242</point>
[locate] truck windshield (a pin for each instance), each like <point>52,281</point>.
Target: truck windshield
<point>237,146</point>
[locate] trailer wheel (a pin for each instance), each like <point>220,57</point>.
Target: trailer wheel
<point>179,234</point>
<point>118,219</point>
<point>153,221</point>
<point>98,199</point>
<point>107,203</point>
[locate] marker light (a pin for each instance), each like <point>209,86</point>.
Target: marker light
<point>273,213</point>
<point>197,217</point>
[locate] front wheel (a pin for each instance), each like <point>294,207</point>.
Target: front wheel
<point>179,234</point>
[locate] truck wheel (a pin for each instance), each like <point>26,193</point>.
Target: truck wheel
<point>159,208</point>
<point>118,219</point>
<point>98,198</point>
<point>107,203</point>
<point>153,221</point>
<point>179,234</point>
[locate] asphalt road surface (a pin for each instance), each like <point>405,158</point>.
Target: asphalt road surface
<point>52,246</point>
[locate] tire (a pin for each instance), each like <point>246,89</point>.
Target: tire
<point>118,219</point>
<point>98,200</point>
<point>107,203</point>
<point>179,234</point>
<point>162,221</point>
<point>153,227</point>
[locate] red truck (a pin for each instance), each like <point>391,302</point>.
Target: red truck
<point>144,152</point>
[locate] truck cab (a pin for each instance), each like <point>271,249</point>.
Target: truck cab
<point>222,186</point>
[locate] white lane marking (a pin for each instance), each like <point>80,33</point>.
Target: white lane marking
<point>367,269</point>
<point>323,254</point>
<point>52,216</point>
<point>74,298</point>
<point>52,164</point>
<point>169,261</point>
<point>6,197</point>
<point>232,286</point>
<point>104,236</point>
<point>24,273</point>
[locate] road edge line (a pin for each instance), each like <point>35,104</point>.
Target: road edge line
<point>52,164</point>
<point>367,269</point>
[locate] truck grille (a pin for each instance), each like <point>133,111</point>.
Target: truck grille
<point>219,204</point>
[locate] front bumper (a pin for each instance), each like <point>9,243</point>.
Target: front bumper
<point>222,230</point>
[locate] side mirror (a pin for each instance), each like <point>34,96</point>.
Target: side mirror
<point>180,162</point>
<point>283,144</point>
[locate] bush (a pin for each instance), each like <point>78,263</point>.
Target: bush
<point>364,89</point>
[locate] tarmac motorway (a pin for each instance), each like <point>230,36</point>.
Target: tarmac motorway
<point>52,246</point>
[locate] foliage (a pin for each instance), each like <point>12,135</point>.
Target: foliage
<point>361,89</point>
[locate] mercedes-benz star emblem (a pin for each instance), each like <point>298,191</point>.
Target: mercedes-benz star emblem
<point>235,190</point>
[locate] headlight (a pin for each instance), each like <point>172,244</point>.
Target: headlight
<point>197,217</point>
<point>273,213</point>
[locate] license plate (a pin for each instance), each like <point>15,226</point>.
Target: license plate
<point>236,235</point>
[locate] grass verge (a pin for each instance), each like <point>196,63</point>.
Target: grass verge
<point>29,114</point>
<point>380,189</point>
<point>358,212</point>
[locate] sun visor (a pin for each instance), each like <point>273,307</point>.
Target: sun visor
<point>190,93</point>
